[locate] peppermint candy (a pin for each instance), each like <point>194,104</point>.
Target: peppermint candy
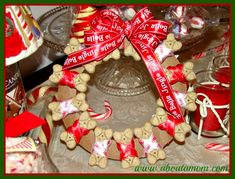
<point>197,22</point>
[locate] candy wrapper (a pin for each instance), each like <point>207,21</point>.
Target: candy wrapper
<point>23,155</point>
<point>189,23</point>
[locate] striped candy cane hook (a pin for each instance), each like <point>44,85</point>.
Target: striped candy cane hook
<point>102,116</point>
<point>217,147</point>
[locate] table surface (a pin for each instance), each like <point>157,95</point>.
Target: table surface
<point>191,153</point>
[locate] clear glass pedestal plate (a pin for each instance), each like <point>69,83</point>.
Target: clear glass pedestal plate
<point>123,77</point>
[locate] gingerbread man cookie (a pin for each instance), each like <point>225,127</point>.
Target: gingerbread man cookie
<point>63,108</point>
<point>174,127</point>
<point>185,100</point>
<point>113,55</point>
<point>129,50</point>
<point>100,147</point>
<point>90,67</point>
<point>126,147</point>
<point>180,73</point>
<point>152,149</point>
<point>171,43</point>
<point>69,78</point>
<point>167,47</point>
<point>73,46</point>
<point>80,128</point>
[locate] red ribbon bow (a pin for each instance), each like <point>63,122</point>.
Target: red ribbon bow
<point>169,125</point>
<point>77,131</point>
<point>68,78</point>
<point>144,33</point>
<point>127,150</point>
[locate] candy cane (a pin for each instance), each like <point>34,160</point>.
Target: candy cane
<point>217,147</point>
<point>41,91</point>
<point>210,51</point>
<point>46,129</point>
<point>38,93</point>
<point>82,20</point>
<point>103,116</point>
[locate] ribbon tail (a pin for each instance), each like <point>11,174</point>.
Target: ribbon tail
<point>159,78</point>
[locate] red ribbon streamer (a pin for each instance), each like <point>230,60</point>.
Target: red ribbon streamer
<point>35,94</point>
<point>127,150</point>
<point>77,131</point>
<point>107,34</point>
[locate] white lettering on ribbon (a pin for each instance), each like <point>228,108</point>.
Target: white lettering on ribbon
<point>94,38</point>
<point>180,98</point>
<point>107,46</point>
<point>70,60</point>
<point>163,82</point>
<point>159,26</point>
<point>170,101</point>
<point>86,54</point>
<point>145,14</point>
<point>137,21</point>
<point>152,62</point>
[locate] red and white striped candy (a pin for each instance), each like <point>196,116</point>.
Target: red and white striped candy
<point>217,147</point>
<point>97,116</point>
<point>40,92</point>
<point>129,13</point>
<point>83,15</point>
<point>180,11</point>
<point>197,22</point>
<point>183,29</point>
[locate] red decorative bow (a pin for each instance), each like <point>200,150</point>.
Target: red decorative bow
<point>177,74</point>
<point>169,125</point>
<point>77,131</point>
<point>127,150</point>
<point>68,77</point>
<point>144,33</point>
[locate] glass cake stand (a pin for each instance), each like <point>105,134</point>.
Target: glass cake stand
<point>121,78</point>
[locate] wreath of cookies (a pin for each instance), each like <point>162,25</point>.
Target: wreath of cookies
<point>130,144</point>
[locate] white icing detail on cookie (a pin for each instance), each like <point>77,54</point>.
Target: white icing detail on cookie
<point>162,52</point>
<point>100,147</point>
<point>149,144</point>
<point>67,107</point>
